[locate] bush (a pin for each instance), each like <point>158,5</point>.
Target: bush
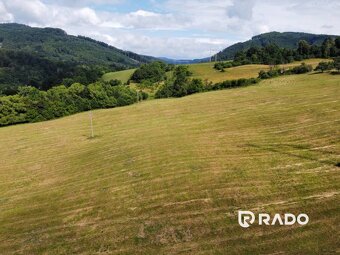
<point>178,86</point>
<point>234,83</point>
<point>263,75</point>
<point>324,66</point>
<point>154,72</point>
<point>195,86</point>
<point>337,63</point>
<point>303,68</point>
<point>274,72</point>
<point>12,110</point>
<point>143,95</point>
<point>146,84</point>
<point>220,66</point>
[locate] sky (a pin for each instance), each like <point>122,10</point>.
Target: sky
<point>180,29</point>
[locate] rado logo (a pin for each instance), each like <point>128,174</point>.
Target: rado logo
<point>247,218</point>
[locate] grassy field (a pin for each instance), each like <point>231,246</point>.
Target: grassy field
<point>123,76</point>
<point>168,176</point>
<point>206,71</point>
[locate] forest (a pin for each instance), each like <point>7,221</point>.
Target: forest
<point>287,40</point>
<point>47,57</point>
<point>274,55</point>
<point>19,68</point>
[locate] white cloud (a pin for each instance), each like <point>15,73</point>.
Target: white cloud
<point>142,13</point>
<point>176,28</point>
<point>32,11</point>
<point>242,9</point>
<point>176,47</point>
<point>5,16</point>
<point>77,3</point>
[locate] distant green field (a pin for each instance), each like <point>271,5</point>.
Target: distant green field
<point>123,76</point>
<point>168,176</point>
<point>206,71</point>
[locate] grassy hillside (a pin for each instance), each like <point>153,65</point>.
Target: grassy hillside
<point>168,176</point>
<point>287,40</point>
<point>206,71</point>
<point>123,76</point>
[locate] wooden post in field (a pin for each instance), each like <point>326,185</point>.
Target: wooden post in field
<point>137,96</point>
<point>91,124</point>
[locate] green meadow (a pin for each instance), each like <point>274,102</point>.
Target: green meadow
<point>123,76</point>
<point>206,71</point>
<point>168,176</point>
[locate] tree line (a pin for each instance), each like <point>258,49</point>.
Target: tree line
<point>33,105</point>
<point>274,55</point>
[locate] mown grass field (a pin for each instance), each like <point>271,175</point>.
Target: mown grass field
<point>168,176</point>
<point>206,71</point>
<point>123,76</point>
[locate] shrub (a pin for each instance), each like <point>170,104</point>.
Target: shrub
<point>324,66</point>
<point>146,84</point>
<point>220,66</point>
<point>195,86</point>
<point>154,72</point>
<point>337,63</point>
<point>274,72</point>
<point>177,86</point>
<point>303,68</point>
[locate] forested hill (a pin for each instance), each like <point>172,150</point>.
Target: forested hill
<point>44,57</point>
<point>288,40</point>
<point>56,44</point>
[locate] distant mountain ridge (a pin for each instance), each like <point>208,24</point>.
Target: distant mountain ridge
<point>183,61</point>
<point>287,40</point>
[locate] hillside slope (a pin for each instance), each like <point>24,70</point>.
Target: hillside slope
<point>44,57</point>
<point>55,44</point>
<point>206,71</point>
<point>287,40</point>
<point>168,176</point>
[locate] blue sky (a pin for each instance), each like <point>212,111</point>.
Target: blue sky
<point>175,28</point>
<point>128,6</point>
